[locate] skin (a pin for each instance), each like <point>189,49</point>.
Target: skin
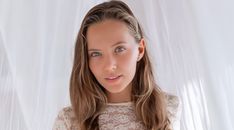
<point>113,55</point>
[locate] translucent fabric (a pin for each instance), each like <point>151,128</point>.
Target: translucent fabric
<point>190,41</point>
<point>119,116</point>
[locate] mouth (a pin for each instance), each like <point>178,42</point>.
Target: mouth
<point>113,78</point>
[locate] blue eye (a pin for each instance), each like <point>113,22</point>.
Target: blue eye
<point>95,54</point>
<point>119,49</point>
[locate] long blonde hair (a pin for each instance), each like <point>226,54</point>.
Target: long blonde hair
<point>88,97</point>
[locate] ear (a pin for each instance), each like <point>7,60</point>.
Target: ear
<point>141,49</point>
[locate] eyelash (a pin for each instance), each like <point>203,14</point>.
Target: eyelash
<point>119,49</point>
<point>95,54</point>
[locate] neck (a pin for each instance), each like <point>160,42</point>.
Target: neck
<point>123,96</point>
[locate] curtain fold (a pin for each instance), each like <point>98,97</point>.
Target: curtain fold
<point>190,43</point>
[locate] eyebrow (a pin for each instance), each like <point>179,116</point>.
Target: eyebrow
<point>120,42</point>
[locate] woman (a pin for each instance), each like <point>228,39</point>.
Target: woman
<point>112,85</point>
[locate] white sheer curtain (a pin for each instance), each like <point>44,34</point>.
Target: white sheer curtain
<point>191,43</point>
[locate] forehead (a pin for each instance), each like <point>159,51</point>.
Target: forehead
<point>108,32</point>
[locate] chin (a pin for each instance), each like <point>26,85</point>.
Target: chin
<point>115,90</point>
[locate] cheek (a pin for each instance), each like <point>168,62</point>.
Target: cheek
<point>94,67</point>
<point>129,60</point>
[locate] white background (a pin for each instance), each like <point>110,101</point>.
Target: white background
<point>191,43</point>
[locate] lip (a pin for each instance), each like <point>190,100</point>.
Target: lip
<point>113,78</point>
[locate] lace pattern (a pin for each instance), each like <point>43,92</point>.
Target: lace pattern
<point>118,116</point>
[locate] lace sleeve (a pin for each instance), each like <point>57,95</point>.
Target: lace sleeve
<point>174,111</point>
<point>65,120</point>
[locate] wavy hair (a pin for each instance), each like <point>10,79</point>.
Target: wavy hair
<point>88,97</point>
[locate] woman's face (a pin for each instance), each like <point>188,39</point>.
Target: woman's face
<point>113,54</point>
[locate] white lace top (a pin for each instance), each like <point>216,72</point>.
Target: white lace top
<point>118,116</point>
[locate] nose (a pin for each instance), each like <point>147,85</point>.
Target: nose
<point>110,63</point>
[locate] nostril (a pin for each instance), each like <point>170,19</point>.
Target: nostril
<point>111,68</point>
